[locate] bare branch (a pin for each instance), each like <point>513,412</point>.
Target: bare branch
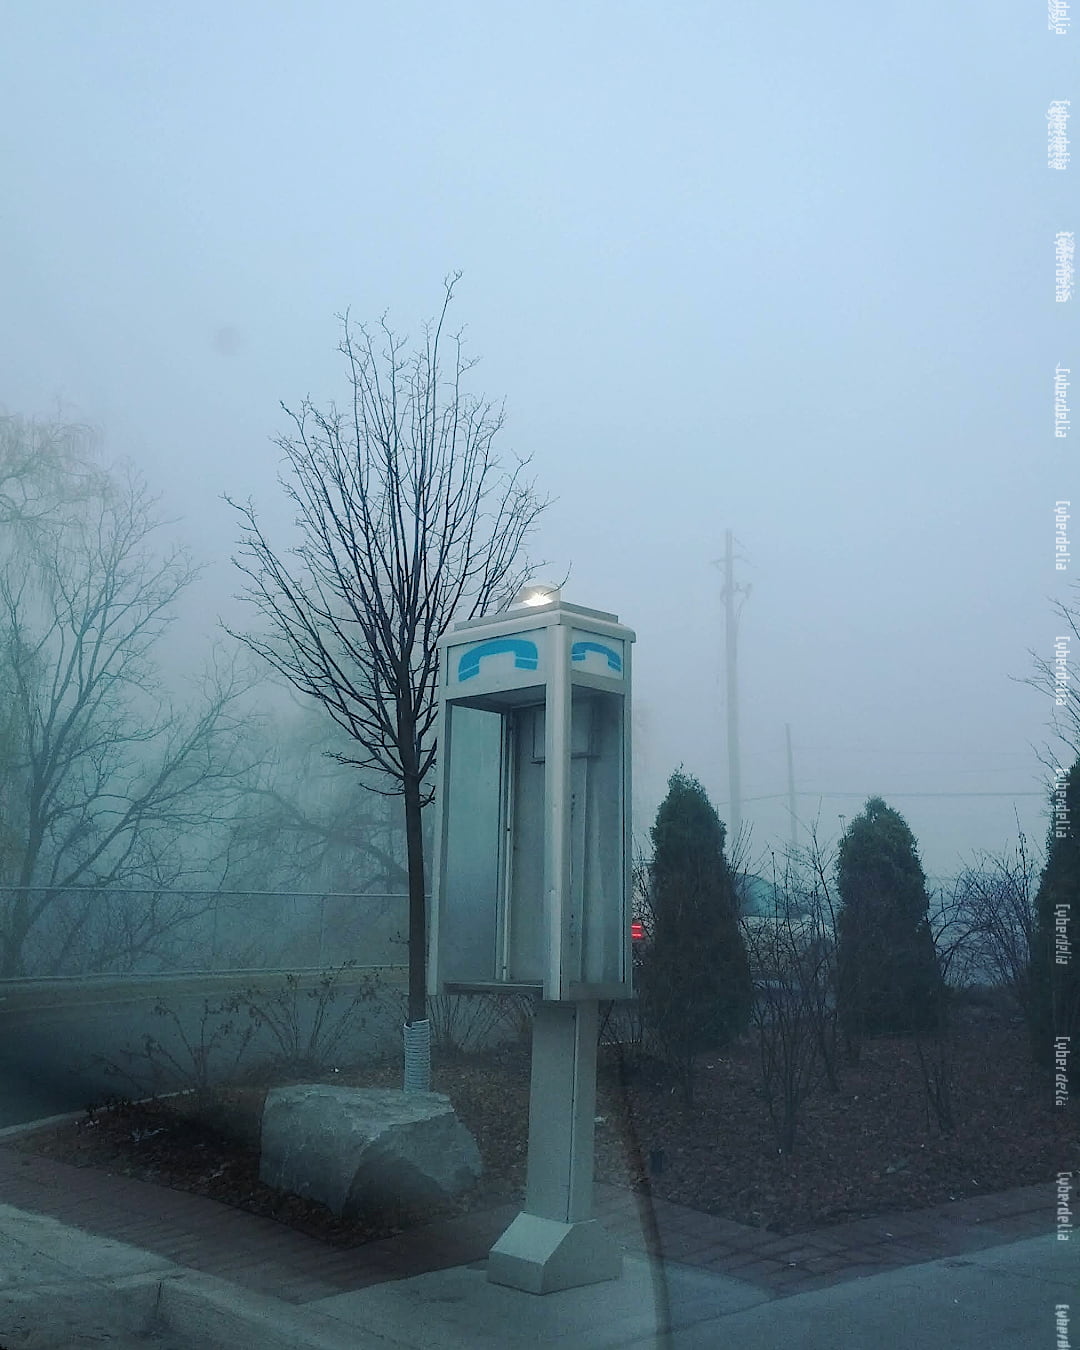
<point>405,521</point>
<point>105,783</point>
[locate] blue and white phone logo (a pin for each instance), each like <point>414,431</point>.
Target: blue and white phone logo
<point>580,651</point>
<point>524,651</point>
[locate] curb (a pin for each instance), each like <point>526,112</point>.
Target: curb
<point>32,1126</point>
<point>213,1314</point>
<point>48,1122</point>
<point>109,1289</point>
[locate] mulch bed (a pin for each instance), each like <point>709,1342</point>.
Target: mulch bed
<point>870,1148</point>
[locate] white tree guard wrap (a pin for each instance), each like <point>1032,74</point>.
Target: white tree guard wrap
<point>417,1056</point>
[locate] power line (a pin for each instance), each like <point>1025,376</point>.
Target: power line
<point>898,750</point>
<point>806,792</point>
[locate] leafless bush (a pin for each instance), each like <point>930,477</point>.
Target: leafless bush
<point>308,1029</point>
<point>953,936</point>
<point>464,1023</point>
<point>787,1057</point>
<point>793,1007</point>
<point>814,870</point>
<point>803,906</point>
<point>937,1065</point>
<point>196,1063</point>
<point>993,904</point>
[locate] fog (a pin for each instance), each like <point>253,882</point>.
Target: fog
<point>784,271</point>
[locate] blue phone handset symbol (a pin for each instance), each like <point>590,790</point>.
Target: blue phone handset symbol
<point>580,650</point>
<point>525,655</point>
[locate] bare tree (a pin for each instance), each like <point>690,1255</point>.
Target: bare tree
<point>936,1046</point>
<point>44,467</point>
<point>102,781</point>
<point>406,521</point>
<point>310,823</point>
<point>993,904</point>
<point>821,902</point>
<point>798,920</point>
<point>310,831</point>
<point>791,943</point>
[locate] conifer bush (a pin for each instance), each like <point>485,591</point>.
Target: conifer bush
<point>695,980</point>
<point>889,981</point>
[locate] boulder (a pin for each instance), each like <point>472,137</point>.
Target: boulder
<point>365,1149</point>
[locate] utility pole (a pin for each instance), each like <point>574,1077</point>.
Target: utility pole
<point>731,625</point>
<point>791,790</point>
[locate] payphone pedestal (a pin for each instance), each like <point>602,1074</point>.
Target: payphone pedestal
<point>555,1243</point>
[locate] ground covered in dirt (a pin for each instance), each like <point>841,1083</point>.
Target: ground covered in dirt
<point>872,1146</point>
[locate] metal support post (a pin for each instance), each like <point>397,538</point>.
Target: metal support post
<point>555,1243</point>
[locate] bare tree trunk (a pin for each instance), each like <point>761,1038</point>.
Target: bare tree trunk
<point>414,845</point>
<point>409,524</point>
<point>937,1066</point>
<point>11,942</point>
<point>16,927</point>
<point>826,1043</point>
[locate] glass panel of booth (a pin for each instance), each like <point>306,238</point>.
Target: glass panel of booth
<point>522,928</point>
<point>494,919</point>
<point>597,863</point>
<point>594,941</point>
<point>473,796</point>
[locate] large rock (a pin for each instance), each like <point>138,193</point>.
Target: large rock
<point>363,1149</point>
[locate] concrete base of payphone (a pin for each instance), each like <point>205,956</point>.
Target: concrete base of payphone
<point>555,1243</point>
<point>542,1256</point>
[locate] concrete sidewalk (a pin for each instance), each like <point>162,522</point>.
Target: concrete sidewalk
<point>1003,1297</point>
<point>62,1289</point>
<point>88,1258</point>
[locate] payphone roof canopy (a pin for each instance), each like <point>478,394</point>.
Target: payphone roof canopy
<point>518,632</point>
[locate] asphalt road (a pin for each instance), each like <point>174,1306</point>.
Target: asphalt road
<point>26,1097</point>
<point>58,1038</point>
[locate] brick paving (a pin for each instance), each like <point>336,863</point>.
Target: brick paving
<point>267,1257</point>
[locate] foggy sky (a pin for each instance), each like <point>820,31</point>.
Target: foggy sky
<point>786,269</point>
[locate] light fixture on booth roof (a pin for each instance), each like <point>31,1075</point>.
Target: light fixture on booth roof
<point>536,593</point>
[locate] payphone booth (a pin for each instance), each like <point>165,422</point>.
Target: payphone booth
<point>532,885</point>
<point>532,878</point>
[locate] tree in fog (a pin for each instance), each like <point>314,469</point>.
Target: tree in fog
<point>889,981</point>
<point>314,849</point>
<point>103,781</point>
<point>44,467</point>
<point>307,822</point>
<point>696,988</point>
<point>406,521</point>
